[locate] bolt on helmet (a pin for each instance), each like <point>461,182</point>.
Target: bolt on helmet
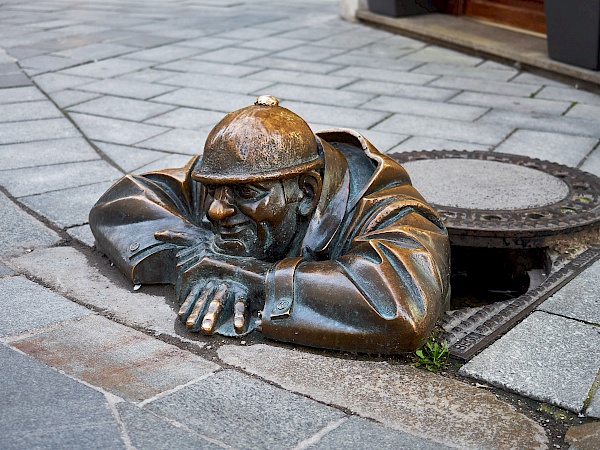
<point>260,142</point>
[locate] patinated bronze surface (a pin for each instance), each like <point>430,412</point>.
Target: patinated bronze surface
<point>316,239</point>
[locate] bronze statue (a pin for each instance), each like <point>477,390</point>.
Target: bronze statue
<point>316,239</point>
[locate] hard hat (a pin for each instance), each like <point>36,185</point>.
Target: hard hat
<point>260,142</point>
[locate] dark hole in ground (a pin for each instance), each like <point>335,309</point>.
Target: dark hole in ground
<point>481,276</point>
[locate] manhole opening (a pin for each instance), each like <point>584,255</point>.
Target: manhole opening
<point>482,276</point>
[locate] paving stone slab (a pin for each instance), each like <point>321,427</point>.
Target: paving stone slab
<point>20,94</point>
<point>126,88</point>
<point>68,97</point>
<point>309,53</point>
<point>271,43</point>
<point>453,130</point>
<point>211,42</point>
<point>444,56</point>
<point>232,55</point>
<point>121,108</point>
<point>14,80</point>
<point>425,143</point>
<point>592,163</point>
<point>83,234</point>
<point>5,271</point>
<point>129,158</point>
<point>37,180</point>
<point>569,95</point>
<point>306,79</point>
<point>481,85</point>
<point>214,68</point>
<point>149,432</point>
<point>401,90</point>
<point>361,434</point>
<point>115,130</point>
<point>268,62</point>
<point>355,38</point>
<point>29,305</point>
<point>204,99</point>
<point>149,75</point>
<point>216,83</point>
<point>120,360</point>
<point>580,299</point>
<point>511,103</point>
<point>189,118</point>
<point>425,108</point>
<point>87,282</point>
<point>171,161</point>
<point>106,69</point>
<point>382,141</point>
<point>583,111</point>
<point>20,231</point>
<point>17,112</point>
<point>190,142</point>
<point>164,53</point>
<point>271,418</point>
<point>537,359</point>
<point>68,207</point>
<point>529,78</point>
<point>324,96</point>
<point>370,73</point>
<point>58,151</point>
<point>336,116</point>
<point>564,149</point>
<point>36,130</point>
<point>44,409</point>
<point>593,409</point>
<point>52,82</point>
<point>404,398</point>
<point>359,60</point>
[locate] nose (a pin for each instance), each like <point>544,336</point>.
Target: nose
<point>220,208</point>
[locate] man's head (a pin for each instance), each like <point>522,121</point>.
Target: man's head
<point>261,172</point>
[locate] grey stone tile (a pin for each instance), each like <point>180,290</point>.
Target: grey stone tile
<point>74,415</point>
<point>309,53</point>
<point>481,85</point>
<point>168,162</point>
<point>20,94</point>
<point>129,158</point>
<point>426,143</point>
<point>126,88</point>
<point>306,79</point>
<point>82,234</point>
<point>232,55</point>
<point>529,78</point>
<point>115,131</point>
<point>164,54</point>
<point>68,97</point>
<point>213,68</point>
<point>269,62</point>
<point>40,153</point>
<point>36,130</point>
<point>204,99</point>
<point>592,163</point>
<point>361,434</point>
<point>496,66</point>
<point>350,39</point>
<point>308,94</point>
<point>51,82</point>
<point>453,130</point>
<point>107,69</point>
<point>359,61</point>
<point>190,142</point>
<point>272,43</point>
<point>560,148</point>
<point>67,207</point>
<point>94,52</point>
<point>119,359</point>
<point>14,80</point>
<point>579,299</point>
<point>216,83</point>
<point>401,90</point>
<point>435,68</point>
<point>148,431</point>
<point>425,108</point>
<point>47,63</point>
<point>20,231</point>
<point>387,49</point>
<point>210,42</point>
<point>230,398</point>
<point>145,40</point>
<point>36,180</point>
<point>382,141</point>
<point>518,104</point>
<point>444,56</point>
<point>546,357</point>
<point>247,33</point>
<point>310,33</point>
<point>18,112</point>
<point>147,75</point>
<point>336,116</point>
<point>189,118</point>
<point>398,396</point>
<point>5,271</point>
<point>569,95</point>
<point>583,111</point>
<point>593,409</point>
<point>9,68</point>
<point>395,76</point>
<point>121,108</point>
<point>544,122</point>
<point>33,306</point>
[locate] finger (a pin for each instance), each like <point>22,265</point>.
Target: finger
<point>175,237</point>
<point>193,321</point>
<point>214,309</point>
<point>239,317</point>
<point>190,301</point>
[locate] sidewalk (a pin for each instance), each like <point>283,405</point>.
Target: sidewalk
<point>90,91</point>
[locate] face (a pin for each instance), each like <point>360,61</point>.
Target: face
<point>254,219</point>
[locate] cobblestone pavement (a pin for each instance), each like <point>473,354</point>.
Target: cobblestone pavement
<point>92,90</point>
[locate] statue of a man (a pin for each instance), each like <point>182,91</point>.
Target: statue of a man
<point>316,239</point>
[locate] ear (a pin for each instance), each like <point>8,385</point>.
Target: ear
<point>311,184</point>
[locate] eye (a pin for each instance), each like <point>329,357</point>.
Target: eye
<point>248,192</point>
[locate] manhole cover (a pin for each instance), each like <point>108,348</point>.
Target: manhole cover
<point>499,200</point>
<point>501,211</point>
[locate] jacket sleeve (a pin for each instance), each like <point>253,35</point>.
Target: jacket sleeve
<point>382,294</point>
<point>126,217</point>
